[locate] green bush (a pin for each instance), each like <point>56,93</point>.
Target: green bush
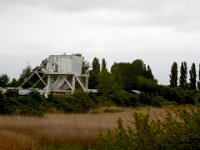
<point>104,101</point>
<point>157,101</point>
<point>32,105</point>
<point>177,131</point>
<point>8,106</point>
<point>197,97</point>
<point>123,98</point>
<point>145,99</point>
<point>78,102</point>
<point>177,94</point>
<point>82,101</point>
<point>36,105</point>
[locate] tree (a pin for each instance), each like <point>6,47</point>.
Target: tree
<point>26,72</point>
<point>85,66</point>
<point>117,77</point>
<point>174,75</point>
<point>13,83</point>
<point>127,74</point>
<point>106,83</point>
<point>138,67</point>
<point>193,77</point>
<point>149,74</point>
<point>147,85</point>
<point>93,79</point>
<point>183,75</point>
<point>103,65</point>
<point>199,79</point>
<point>4,80</point>
<point>96,65</point>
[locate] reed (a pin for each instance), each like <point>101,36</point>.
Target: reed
<point>21,132</point>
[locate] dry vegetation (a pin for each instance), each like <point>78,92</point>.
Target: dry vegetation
<point>20,132</point>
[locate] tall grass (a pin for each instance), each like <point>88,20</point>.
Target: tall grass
<point>11,140</point>
<point>20,132</point>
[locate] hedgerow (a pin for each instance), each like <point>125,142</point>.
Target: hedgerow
<point>36,105</point>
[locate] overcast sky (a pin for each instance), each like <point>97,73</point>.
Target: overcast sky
<point>157,31</point>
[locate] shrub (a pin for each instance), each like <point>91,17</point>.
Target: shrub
<point>197,97</point>
<point>123,98</point>
<point>189,97</point>
<point>176,131</point>
<point>144,99</point>
<point>157,101</point>
<point>175,94</point>
<point>104,101</point>
<point>82,101</point>
<point>8,106</point>
<point>32,105</point>
<point>78,102</point>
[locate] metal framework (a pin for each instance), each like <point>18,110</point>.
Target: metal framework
<point>60,74</point>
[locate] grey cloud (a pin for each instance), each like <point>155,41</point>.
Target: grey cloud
<point>79,5</point>
<point>179,13</point>
<point>82,5</point>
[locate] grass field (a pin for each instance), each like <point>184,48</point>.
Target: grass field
<point>25,133</point>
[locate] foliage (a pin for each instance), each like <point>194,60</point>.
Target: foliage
<point>104,101</point>
<point>93,80</point>
<point>123,98</point>
<point>148,73</point>
<point>193,77</point>
<point>85,67</point>
<point>78,102</point>
<point>197,97</point>
<point>26,72</point>
<point>4,80</point>
<point>32,105</point>
<point>36,105</point>
<point>106,83</point>
<point>126,74</point>
<point>117,76</point>
<point>82,100</point>
<point>147,85</point>
<point>178,130</point>
<point>103,65</point>
<point>154,100</point>
<point>183,75</point>
<point>177,94</point>
<point>174,75</point>
<point>13,83</point>
<point>198,83</point>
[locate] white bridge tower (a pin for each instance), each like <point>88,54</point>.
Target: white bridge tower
<point>60,74</point>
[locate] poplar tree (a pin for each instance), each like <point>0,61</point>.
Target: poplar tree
<point>193,77</point>
<point>199,79</point>
<point>183,75</point>
<point>96,65</point>
<point>149,74</point>
<point>93,79</point>
<point>103,65</point>
<point>174,75</point>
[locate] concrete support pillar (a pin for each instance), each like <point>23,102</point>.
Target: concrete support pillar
<point>73,84</point>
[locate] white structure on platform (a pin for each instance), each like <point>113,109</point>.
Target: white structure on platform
<point>60,74</point>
